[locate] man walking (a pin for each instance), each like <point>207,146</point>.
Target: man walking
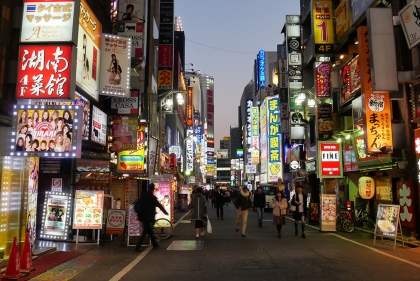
<point>220,201</point>
<point>299,200</point>
<point>243,203</point>
<point>259,204</point>
<point>146,210</point>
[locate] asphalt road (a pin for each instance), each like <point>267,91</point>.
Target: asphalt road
<point>261,255</point>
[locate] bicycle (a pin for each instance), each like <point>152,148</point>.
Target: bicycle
<point>363,217</point>
<point>162,228</point>
<point>344,219</point>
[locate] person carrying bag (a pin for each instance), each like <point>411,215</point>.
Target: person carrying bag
<point>279,205</point>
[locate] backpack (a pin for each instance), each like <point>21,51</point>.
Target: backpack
<point>138,206</point>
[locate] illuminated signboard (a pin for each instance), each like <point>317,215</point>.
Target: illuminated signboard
<point>249,104</point>
<point>88,209</point>
<point>329,160</point>
<point>263,136</point>
<point>255,127</point>
<point>261,69</point>
<point>377,122</point>
<point>190,106</point>
<point>323,26</point>
<point>124,133</point>
<point>189,152</point>
<point>131,162</point>
<point>322,79</point>
<point>56,214</point>
<point>45,72</point>
<point>99,124</point>
<point>350,79</point>
<point>116,64</point>
<point>46,131</point>
<point>49,21</point>
<point>275,168</point>
<point>364,60</point>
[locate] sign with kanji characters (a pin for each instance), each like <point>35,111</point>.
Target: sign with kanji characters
<point>405,194</point>
<point>124,133</point>
<point>387,220</point>
<point>366,187</point>
<point>323,26</point>
<point>410,22</point>
<point>190,106</point>
<point>164,78</point>
<point>49,21</point>
<point>116,62</point>
<point>115,222</point>
<point>88,209</point>
<point>45,72</point>
<point>255,128</point>
<point>378,127</point>
<point>325,121</point>
<point>342,18</point>
<point>364,60</point>
<point>249,104</point>
<point>131,162</point>
<point>322,79</point>
<point>263,136</point>
<point>275,168</point>
<point>330,160</point>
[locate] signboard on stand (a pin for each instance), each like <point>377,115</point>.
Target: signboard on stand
<point>388,222</point>
<point>55,216</point>
<point>88,207</point>
<point>115,222</point>
<point>328,212</point>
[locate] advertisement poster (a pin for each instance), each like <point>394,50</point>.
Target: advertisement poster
<point>99,124</point>
<point>124,133</point>
<point>115,222</point>
<point>328,212</point>
<point>134,31</point>
<point>56,209</point>
<point>88,51</point>
<point>135,228</point>
<point>222,153</point>
<point>354,75</point>
<point>182,202</point>
<point>329,160</point>
<point>163,192</point>
<point>31,212</point>
<point>323,79</point>
<point>88,207</point>
<point>131,10</point>
<point>325,121</point>
<point>116,63</point>
<point>45,21</point>
<point>387,220</point>
<point>45,72</point>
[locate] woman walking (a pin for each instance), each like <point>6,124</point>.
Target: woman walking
<point>279,205</point>
<point>199,211</point>
<point>243,204</point>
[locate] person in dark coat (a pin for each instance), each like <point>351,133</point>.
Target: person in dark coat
<point>146,214</point>
<point>220,201</point>
<point>243,203</point>
<point>259,204</point>
<point>199,211</point>
<point>299,200</point>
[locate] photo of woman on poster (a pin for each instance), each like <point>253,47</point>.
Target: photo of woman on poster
<point>19,144</point>
<point>35,117</point>
<point>85,70</point>
<point>115,69</point>
<point>68,120</point>
<point>130,14</point>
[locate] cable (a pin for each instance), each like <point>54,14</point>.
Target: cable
<point>224,50</point>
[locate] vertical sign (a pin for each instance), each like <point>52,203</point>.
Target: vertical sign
<point>325,121</point>
<point>189,152</point>
<point>210,109</point>
<point>255,128</point>
<point>249,104</point>
<point>342,19</point>
<point>99,125</point>
<point>322,79</point>
<point>263,136</point>
<point>329,160</point>
<point>364,60</point>
<point>261,69</point>
<point>275,169</point>
<point>130,24</point>
<point>323,26</point>
<point>190,105</point>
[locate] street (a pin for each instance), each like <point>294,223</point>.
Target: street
<point>261,255</point>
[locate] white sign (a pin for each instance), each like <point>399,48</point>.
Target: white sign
<point>99,123</point>
<point>153,144</point>
<point>45,21</point>
<point>116,63</point>
<point>57,185</point>
<point>410,22</point>
<point>190,155</point>
<point>251,169</point>
<point>128,105</point>
<point>249,104</point>
<point>134,31</point>
<point>175,150</point>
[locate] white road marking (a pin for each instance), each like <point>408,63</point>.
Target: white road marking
<point>130,266</point>
<point>181,218</point>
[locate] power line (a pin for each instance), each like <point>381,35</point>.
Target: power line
<point>223,50</point>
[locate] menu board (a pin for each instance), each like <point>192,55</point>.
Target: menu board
<point>387,220</point>
<point>56,208</point>
<point>328,212</point>
<point>135,228</point>
<point>88,207</point>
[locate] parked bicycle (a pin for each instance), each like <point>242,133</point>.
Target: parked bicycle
<point>362,217</point>
<point>163,228</point>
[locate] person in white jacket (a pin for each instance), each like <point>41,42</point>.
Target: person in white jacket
<point>279,205</point>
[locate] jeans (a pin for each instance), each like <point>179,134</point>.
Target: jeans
<point>242,215</point>
<point>221,211</point>
<point>260,212</point>
<point>302,215</point>
<point>147,229</point>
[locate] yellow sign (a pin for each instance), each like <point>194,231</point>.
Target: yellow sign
<point>342,19</point>
<point>323,26</point>
<point>131,162</point>
<point>164,79</point>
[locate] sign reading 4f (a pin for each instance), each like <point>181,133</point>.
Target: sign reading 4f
<point>323,26</point>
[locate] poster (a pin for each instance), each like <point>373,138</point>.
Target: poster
<point>88,207</point>
<point>56,208</point>
<point>115,222</point>
<point>31,211</point>
<point>116,63</point>
<point>131,10</point>
<point>183,201</point>
<point>124,133</point>
<point>99,125</point>
<point>163,192</point>
<point>387,220</point>
<point>135,228</point>
<point>328,212</point>
<point>325,121</point>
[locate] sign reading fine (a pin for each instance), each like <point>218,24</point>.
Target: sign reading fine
<point>329,159</point>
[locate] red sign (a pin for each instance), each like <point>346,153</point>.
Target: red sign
<point>44,72</point>
<point>323,79</point>
<point>330,160</point>
<point>190,113</point>
<point>165,55</point>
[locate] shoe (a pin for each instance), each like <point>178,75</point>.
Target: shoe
<point>237,229</point>
<point>296,232</point>
<point>303,235</point>
<point>138,250</point>
<point>243,235</point>
<point>156,246</point>
<point>197,236</point>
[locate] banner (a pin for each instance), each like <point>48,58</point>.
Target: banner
<point>99,125</point>
<point>124,133</point>
<point>275,168</point>
<point>323,26</point>
<point>116,64</point>
<point>88,207</point>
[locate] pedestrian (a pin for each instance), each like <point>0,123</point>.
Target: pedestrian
<point>252,197</point>
<point>299,200</point>
<point>279,205</point>
<point>227,197</point>
<point>146,210</point>
<point>243,202</point>
<point>213,198</point>
<point>220,201</point>
<point>199,211</point>
<point>259,204</point>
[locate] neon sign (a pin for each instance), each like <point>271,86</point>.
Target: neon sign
<point>261,68</point>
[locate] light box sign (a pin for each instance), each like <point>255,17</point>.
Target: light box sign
<point>88,209</point>
<point>263,137</point>
<point>342,18</point>
<point>377,122</point>
<point>323,26</point>
<point>190,105</point>
<point>358,7</point>
<point>44,131</point>
<point>131,162</point>
<point>255,133</point>
<point>45,72</point>
<point>49,21</point>
<point>124,133</point>
<point>322,79</point>
<point>99,124</point>
<point>55,217</point>
<point>325,120</point>
<point>329,160</point>
<point>410,23</point>
<point>116,63</point>
<point>88,51</point>
<point>350,80</point>
<point>128,105</point>
<point>249,104</point>
<point>275,168</point>
<point>134,31</point>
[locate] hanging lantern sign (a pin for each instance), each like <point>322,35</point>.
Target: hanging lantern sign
<point>366,187</point>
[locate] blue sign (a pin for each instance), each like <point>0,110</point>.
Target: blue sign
<point>358,7</point>
<point>261,69</point>
<point>210,161</point>
<point>198,133</point>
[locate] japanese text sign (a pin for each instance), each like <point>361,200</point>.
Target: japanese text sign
<point>164,78</point>
<point>45,72</point>
<point>124,133</point>
<point>378,127</point>
<point>329,160</point>
<point>364,59</point>
<point>49,21</point>
<point>405,194</point>
<point>131,162</point>
<point>323,26</point>
<point>248,121</point>
<point>275,170</point>
<point>342,18</point>
<point>366,188</point>
<point>190,106</point>
<point>115,222</point>
<point>255,126</point>
<point>88,209</point>
<point>322,79</point>
<point>410,21</point>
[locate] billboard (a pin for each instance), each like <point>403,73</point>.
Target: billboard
<point>124,133</point>
<point>323,79</point>
<point>46,131</point>
<point>131,10</point>
<point>329,160</point>
<point>222,154</point>
<point>116,63</point>
<point>45,72</point>
<point>323,26</point>
<point>49,21</point>
<point>130,162</point>
<point>88,51</point>
<point>99,124</point>
<point>128,105</point>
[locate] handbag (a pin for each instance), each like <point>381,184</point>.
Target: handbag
<point>209,228</point>
<point>292,208</point>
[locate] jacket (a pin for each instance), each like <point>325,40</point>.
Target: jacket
<point>199,203</point>
<point>259,200</point>
<point>296,214</point>
<point>279,208</point>
<point>148,203</point>
<point>220,200</point>
<point>243,200</point>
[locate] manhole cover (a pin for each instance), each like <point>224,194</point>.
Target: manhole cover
<point>186,245</point>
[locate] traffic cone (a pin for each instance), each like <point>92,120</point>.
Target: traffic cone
<point>12,269</point>
<point>26,256</point>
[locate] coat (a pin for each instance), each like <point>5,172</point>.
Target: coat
<point>296,214</point>
<point>259,200</point>
<point>279,208</point>
<point>220,199</point>
<point>199,203</point>
<point>243,200</point>
<point>148,203</point>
